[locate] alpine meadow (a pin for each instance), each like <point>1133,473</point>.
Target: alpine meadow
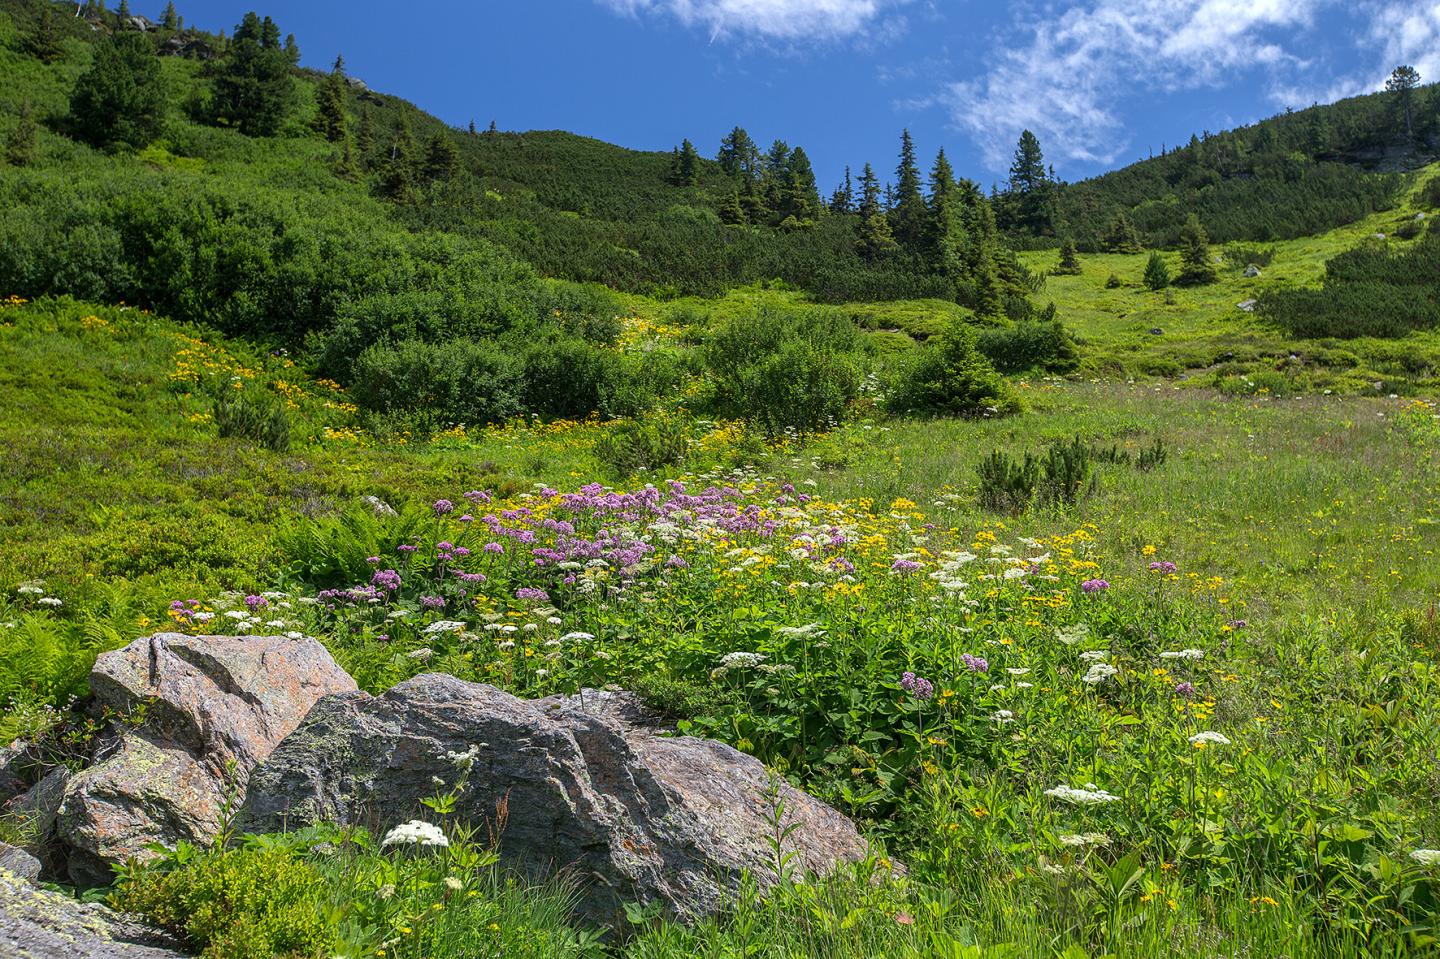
<point>435,542</point>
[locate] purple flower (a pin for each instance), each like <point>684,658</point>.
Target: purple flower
<point>467,518</point>
<point>916,686</point>
<point>478,496</point>
<point>1237,624</point>
<point>373,560</point>
<point>531,592</point>
<point>494,548</point>
<point>444,547</point>
<point>256,602</point>
<point>461,552</point>
<point>386,579</point>
<point>1186,690</point>
<point>443,506</point>
<point>406,548</point>
<point>1164,566</point>
<point>904,566</point>
<point>676,562</point>
<point>975,664</point>
<point>1094,585</point>
<point>432,602</point>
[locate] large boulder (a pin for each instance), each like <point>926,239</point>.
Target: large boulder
<point>204,710</point>
<point>35,924</point>
<point>35,813</point>
<point>581,784</point>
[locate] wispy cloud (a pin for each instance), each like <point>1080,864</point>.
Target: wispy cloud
<point>1067,76</point>
<point>783,20</point>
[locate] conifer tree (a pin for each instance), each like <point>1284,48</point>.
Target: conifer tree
<point>1069,259</point>
<point>330,117</point>
<point>442,160</point>
<point>170,20</point>
<point>122,12</point>
<point>908,214</point>
<point>1195,264</point>
<point>752,202</point>
<point>843,199</point>
<point>365,136</point>
<point>397,175</point>
<point>685,165</point>
<point>20,147</point>
<point>492,128</point>
<point>345,166</point>
<point>800,195</point>
<point>292,50</point>
<point>1157,274</point>
<point>869,193</point>
<point>738,156</point>
<point>1029,191</point>
<point>253,89</point>
<point>945,226</point>
<point>1121,237</point>
<point>120,100</point>
<point>471,129</point>
<point>876,237</point>
<point>731,212</point>
<point>43,43</point>
<point>1402,82</point>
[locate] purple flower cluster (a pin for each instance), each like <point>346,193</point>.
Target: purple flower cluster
<point>531,593</point>
<point>904,566</point>
<point>1164,566</point>
<point>443,506</point>
<point>1185,690</point>
<point>386,579</point>
<point>1095,586</point>
<point>916,686</point>
<point>976,664</point>
<point>432,602</point>
<point>254,603</point>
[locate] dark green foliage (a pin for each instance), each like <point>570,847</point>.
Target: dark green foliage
<point>1195,263</point>
<point>739,156</point>
<point>1007,485</point>
<point>1121,236</point>
<point>1241,255</point>
<point>1152,456</point>
<point>330,119</point>
<point>43,40</point>
<point>1030,346</point>
<point>442,159</point>
<point>1157,274</point>
<point>1067,473</point>
<point>685,165</point>
<point>908,216</point>
<point>253,90</point>
<point>1372,290</point>
<point>1113,282</point>
<point>20,146</point>
<point>635,446</point>
<point>1027,205</point>
<point>120,100</point>
<point>429,386</point>
<point>170,20</point>
<point>1069,260</point>
<point>785,371</point>
<point>949,376</point>
<point>1063,476</point>
<point>260,418</point>
<point>1430,193</point>
<point>1402,83</point>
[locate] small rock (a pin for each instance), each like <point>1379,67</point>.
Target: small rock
<point>1247,306</point>
<point>356,84</point>
<point>18,862</point>
<point>14,763</point>
<point>37,924</point>
<point>1377,236</point>
<point>36,812</point>
<point>1156,331</point>
<point>1419,216</point>
<point>378,506</point>
<point>1252,271</point>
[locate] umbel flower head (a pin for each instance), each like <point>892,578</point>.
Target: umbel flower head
<point>415,833</point>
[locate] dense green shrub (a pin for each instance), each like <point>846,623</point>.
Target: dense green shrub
<point>653,443</point>
<point>432,385</point>
<point>1030,346</point>
<point>253,416</point>
<point>234,904</point>
<point>1157,274</point>
<point>949,376</point>
<point>1007,485</point>
<point>120,100</point>
<point>1061,477</point>
<point>1430,192</point>
<point>785,370</point>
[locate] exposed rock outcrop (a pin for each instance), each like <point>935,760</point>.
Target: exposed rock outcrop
<point>581,783</point>
<point>35,924</point>
<point>208,709</point>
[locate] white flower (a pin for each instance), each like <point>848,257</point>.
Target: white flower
<point>576,637</point>
<point>554,620</point>
<point>1015,572</point>
<point>443,626</point>
<point>295,635</point>
<point>453,884</point>
<point>741,660</point>
<point>1426,857</point>
<point>466,759</point>
<point>49,601</point>
<point>1098,673</point>
<point>1071,635</point>
<point>1209,737</point>
<point>424,654</point>
<point>276,624</point>
<point>1095,655</point>
<point>808,631</point>
<point>1091,795</point>
<point>415,833</point>
<point>30,589</point>
<point>531,627</point>
<point>1183,654</point>
<point>1003,716</point>
<point>1085,839</point>
<point>1017,670</point>
<point>237,614</point>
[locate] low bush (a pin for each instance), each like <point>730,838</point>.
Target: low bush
<point>432,385</point>
<point>254,416</point>
<point>643,445</point>
<point>1030,346</point>
<point>951,377</point>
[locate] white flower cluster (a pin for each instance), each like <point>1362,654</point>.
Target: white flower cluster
<point>1071,635</point>
<point>466,759</point>
<point>741,660</point>
<point>443,626</point>
<point>1085,839</point>
<point>1210,738</point>
<point>1091,795</point>
<point>808,631</point>
<point>415,833</point>
<point>1098,673</point>
<point>1183,654</point>
<point>1426,857</point>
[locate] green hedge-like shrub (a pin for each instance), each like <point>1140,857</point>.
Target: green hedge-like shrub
<point>1030,346</point>
<point>949,376</point>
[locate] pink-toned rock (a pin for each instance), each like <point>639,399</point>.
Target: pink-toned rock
<point>209,709</point>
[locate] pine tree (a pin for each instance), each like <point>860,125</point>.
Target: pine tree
<point>492,128</point>
<point>685,165</point>
<point>800,197</point>
<point>471,129</point>
<point>1195,264</point>
<point>1157,275</point>
<point>945,226</point>
<point>1403,81</point>
<point>365,136</point>
<point>43,43</point>
<point>442,160</point>
<point>1027,170</point>
<point>120,100</point>
<point>1029,191</point>
<point>345,166</point>
<point>1069,259</point>
<point>738,156</point>
<point>731,212</point>
<point>170,20</point>
<point>843,199</point>
<point>752,202</point>
<point>876,237</point>
<point>1121,237</point>
<point>869,193</point>
<point>397,175</point>
<point>330,117</point>
<point>908,214</point>
<point>122,13</point>
<point>20,147</point>
<point>292,50</point>
<point>254,89</point>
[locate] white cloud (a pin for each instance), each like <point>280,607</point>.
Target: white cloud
<point>785,20</point>
<point>1065,80</point>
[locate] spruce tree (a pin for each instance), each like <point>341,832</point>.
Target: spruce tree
<point>365,136</point>
<point>397,173</point>
<point>945,226</point>
<point>346,167</point>
<point>685,166</point>
<point>170,20</point>
<point>876,237</point>
<point>1069,259</point>
<point>1027,170</point>
<point>330,116</point>
<point>122,12</point>
<point>1195,264</point>
<point>752,202</point>
<point>869,193</point>
<point>1402,82</point>
<point>738,154</point>
<point>1157,274</point>
<point>20,147</point>
<point>253,89</point>
<point>800,195</point>
<point>1121,237</point>
<point>442,160</point>
<point>120,100</point>
<point>492,128</point>
<point>731,212</point>
<point>43,43</point>
<point>843,199</point>
<point>908,215</point>
<point>471,129</point>
<point>1029,191</point>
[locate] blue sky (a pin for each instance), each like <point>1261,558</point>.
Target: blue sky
<point>1102,82</point>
